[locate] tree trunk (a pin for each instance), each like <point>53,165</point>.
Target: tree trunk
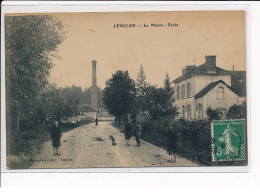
<point>17,121</point>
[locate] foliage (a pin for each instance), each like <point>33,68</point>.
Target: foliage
<point>213,114</point>
<point>168,87</point>
<point>29,41</point>
<point>86,98</point>
<point>119,94</point>
<point>237,111</point>
<point>30,45</point>
<point>160,100</point>
<point>193,142</point>
<point>141,86</point>
<point>20,161</point>
<point>57,103</point>
<point>194,139</point>
<point>153,132</point>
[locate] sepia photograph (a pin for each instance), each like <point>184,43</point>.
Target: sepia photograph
<point>126,89</point>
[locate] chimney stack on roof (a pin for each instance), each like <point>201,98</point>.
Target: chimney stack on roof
<point>188,69</point>
<point>211,61</point>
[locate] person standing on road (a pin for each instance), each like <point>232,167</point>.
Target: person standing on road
<point>127,132</point>
<point>96,121</point>
<point>172,138</point>
<point>138,131</point>
<point>56,136</point>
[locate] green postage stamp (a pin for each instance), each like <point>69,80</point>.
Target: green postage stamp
<point>228,140</point>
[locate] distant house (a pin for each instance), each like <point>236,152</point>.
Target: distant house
<point>86,110</point>
<point>208,86</point>
<point>102,112</point>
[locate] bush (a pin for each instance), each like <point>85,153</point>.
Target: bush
<point>18,161</point>
<point>214,114</point>
<point>153,132</point>
<point>237,111</point>
<point>17,144</point>
<point>194,137</point>
<point>194,142</point>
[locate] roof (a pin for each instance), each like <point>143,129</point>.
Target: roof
<point>211,86</point>
<point>202,70</point>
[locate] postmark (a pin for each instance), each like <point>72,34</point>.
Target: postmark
<point>229,143</point>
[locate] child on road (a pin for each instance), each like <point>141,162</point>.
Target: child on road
<point>56,136</point>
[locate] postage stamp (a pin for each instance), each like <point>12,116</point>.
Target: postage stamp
<point>229,142</point>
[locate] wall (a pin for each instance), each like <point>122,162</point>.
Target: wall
<point>197,84</point>
<point>185,102</point>
<point>91,115</point>
<point>104,114</point>
<point>241,100</point>
<point>211,100</point>
<point>191,80</point>
<point>202,81</point>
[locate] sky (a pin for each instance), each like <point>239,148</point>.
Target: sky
<point>161,50</point>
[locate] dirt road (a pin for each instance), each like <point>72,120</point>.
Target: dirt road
<point>90,146</point>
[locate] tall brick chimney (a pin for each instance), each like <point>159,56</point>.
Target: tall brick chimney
<point>94,86</point>
<point>211,61</point>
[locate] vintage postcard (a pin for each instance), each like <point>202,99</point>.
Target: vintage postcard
<point>125,89</point>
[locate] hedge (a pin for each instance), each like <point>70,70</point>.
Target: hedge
<point>194,138</point>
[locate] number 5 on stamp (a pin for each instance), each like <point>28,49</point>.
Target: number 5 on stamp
<point>228,140</point>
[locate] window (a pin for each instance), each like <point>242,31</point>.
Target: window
<point>200,111</point>
<point>196,112</point>
<point>188,88</point>
<point>183,111</point>
<point>220,93</point>
<point>183,91</point>
<point>178,92</point>
<point>189,112</point>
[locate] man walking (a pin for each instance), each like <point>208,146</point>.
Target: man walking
<point>127,132</point>
<point>138,129</point>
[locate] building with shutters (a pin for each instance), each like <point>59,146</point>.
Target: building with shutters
<point>207,85</point>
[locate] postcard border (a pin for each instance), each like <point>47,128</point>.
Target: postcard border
<point>130,7</point>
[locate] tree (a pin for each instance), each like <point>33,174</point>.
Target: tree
<point>55,103</point>
<point>77,95</point>
<point>141,86</point>
<point>213,114</point>
<point>160,100</point>
<point>86,99</point>
<point>168,89</point>
<point>30,42</point>
<point>119,94</point>
<point>167,84</point>
<point>160,104</point>
<point>237,111</point>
